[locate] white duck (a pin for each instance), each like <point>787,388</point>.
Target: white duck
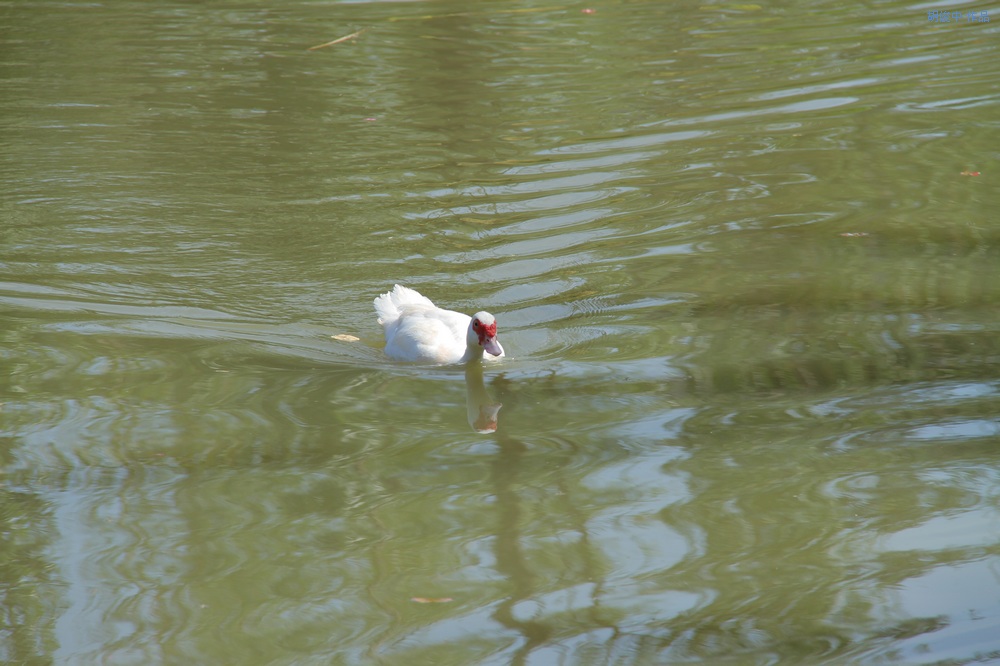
<point>418,330</point>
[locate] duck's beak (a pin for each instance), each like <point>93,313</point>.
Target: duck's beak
<point>492,346</point>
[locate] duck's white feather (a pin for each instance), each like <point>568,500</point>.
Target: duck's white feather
<point>389,306</point>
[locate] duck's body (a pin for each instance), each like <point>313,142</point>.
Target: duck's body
<point>418,330</point>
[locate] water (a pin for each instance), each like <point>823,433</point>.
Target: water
<point>743,271</point>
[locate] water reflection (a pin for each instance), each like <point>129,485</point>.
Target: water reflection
<point>753,414</point>
<point>481,410</point>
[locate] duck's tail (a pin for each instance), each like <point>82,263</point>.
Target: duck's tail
<point>389,305</point>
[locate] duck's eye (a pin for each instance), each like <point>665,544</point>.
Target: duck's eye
<point>475,323</point>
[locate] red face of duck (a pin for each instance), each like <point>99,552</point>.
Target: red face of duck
<point>486,331</point>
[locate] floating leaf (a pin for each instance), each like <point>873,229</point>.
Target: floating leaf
<point>345,337</point>
<point>855,234</point>
<point>430,600</point>
<point>969,173</point>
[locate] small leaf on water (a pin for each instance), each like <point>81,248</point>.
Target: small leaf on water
<point>854,234</point>
<point>345,337</point>
<point>430,600</point>
<point>969,173</point>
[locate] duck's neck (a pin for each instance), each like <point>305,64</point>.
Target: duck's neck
<point>473,352</point>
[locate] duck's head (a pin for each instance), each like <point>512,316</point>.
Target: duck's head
<point>483,333</point>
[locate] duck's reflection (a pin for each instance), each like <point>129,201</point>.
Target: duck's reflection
<point>479,405</point>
